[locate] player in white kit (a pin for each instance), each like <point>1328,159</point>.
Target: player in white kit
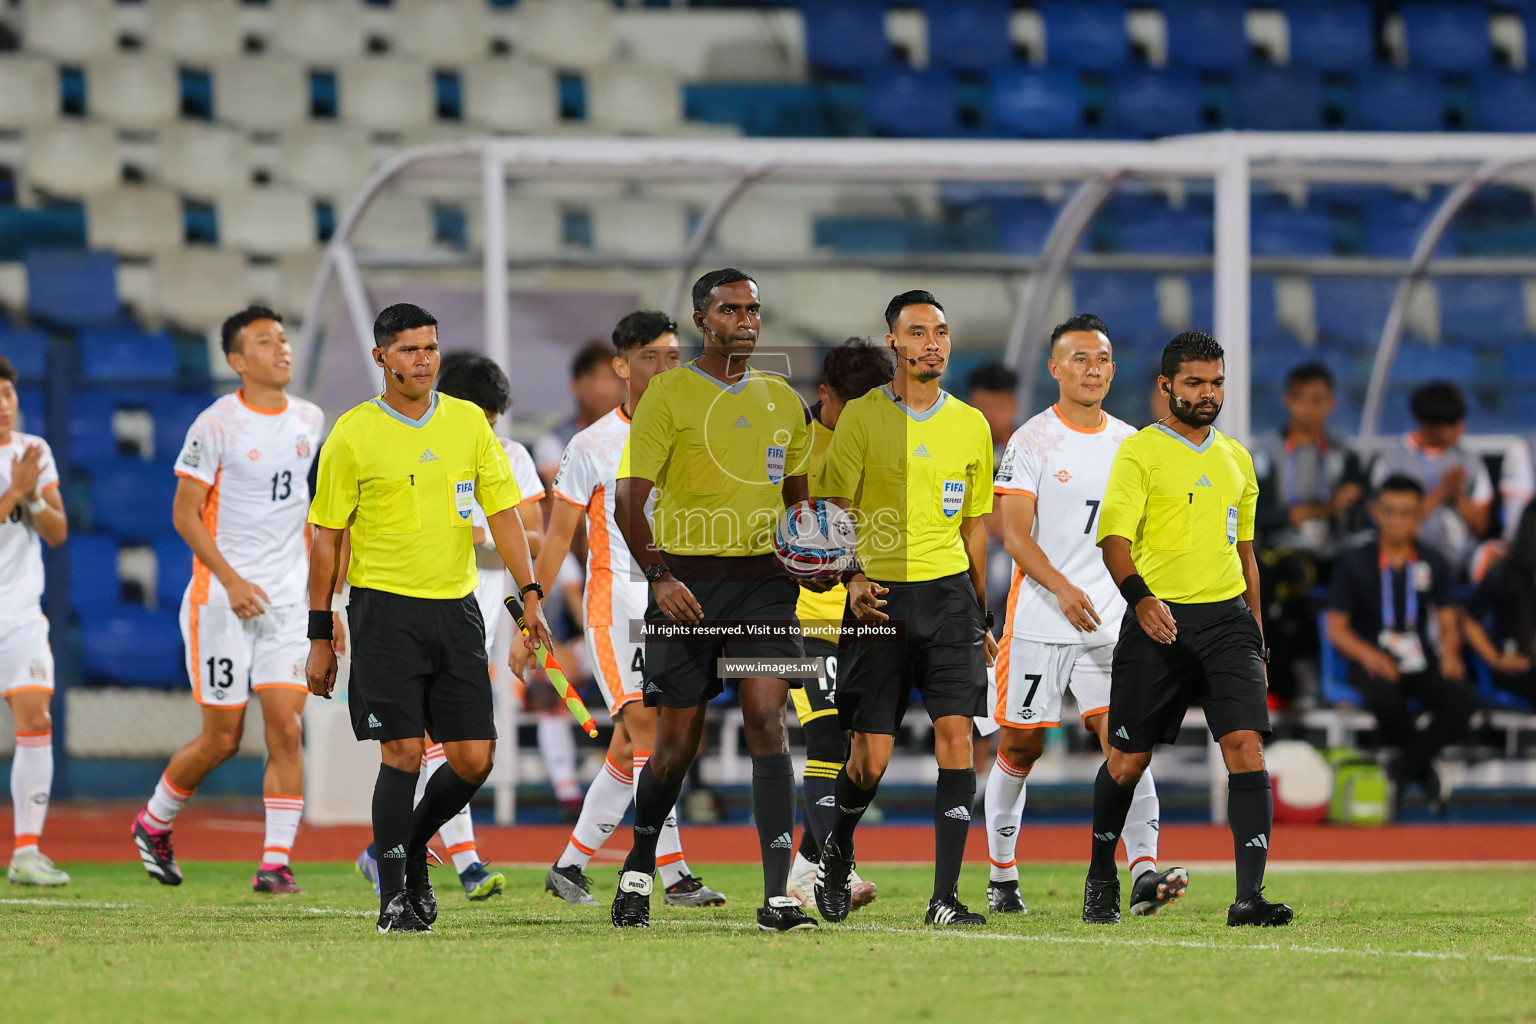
<point>1064,610</point>
<point>30,512</point>
<point>647,344</point>
<point>241,505</point>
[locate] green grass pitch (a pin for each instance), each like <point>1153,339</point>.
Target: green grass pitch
<point>1450,945</point>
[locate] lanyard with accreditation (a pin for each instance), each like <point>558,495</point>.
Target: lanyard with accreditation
<point>1401,640</point>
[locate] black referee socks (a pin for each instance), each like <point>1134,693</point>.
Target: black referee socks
<point>773,809</point>
<point>446,794</point>
<point>952,802</point>
<point>393,795</point>
<point>1111,803</point>
<point>852,802</point>
<point>653,802</point>
<point>1251,813</point>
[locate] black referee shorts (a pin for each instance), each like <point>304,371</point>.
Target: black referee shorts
<point>943,655</point>
<point>679,672</point>
<point>418,668</point>
<point>1215,662</point>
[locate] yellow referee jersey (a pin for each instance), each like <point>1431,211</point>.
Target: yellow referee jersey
<point>912,479</point>
<point>406,489</point>
<point>718,455</point>
<point>1183,507</point>
<point>823,610</point>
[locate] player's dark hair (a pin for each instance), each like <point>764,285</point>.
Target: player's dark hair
<point>229,334</point>
<point>916,297</point>
<point>590,356</point>
<point>1190,347</point>
<point>1081,322</point>
<point>402,316</point>
<point>856,367</point>
<point>641,328</point>
<point>992,377</point>
<point>1309,373</point>
<point>1438,403</point>
<point>7,371</point>
<point>712,280</point>
<point>1398,483</point>
<point>477,379</point>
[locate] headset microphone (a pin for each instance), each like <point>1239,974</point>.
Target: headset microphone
<point>398,376</point>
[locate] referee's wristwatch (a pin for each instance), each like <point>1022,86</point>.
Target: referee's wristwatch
<point>655,571</point>
<point>1264,655</point>
<point>534,586</point>
<point>991,620</point>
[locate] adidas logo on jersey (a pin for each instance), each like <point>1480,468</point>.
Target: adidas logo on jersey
<point>741,423</point>
<point>374,723</point>
<point>1204,481</point>
<point>427,456</point>
<point>921,452</point>
<point>398,852</point>
<point>958,813</point>
<point>1120,732</point>
<point>784,842</point>
<point>1261,841</point>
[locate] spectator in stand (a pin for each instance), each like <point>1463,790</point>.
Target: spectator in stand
<point>1500,620</point>
<point>1458,492</point>
<point>1390,614</point>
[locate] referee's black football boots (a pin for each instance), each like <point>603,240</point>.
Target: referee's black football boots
<point>399,915</point>
<point>950,912</point>
<point>1154,890</point>
<point>1101,900</point>
<point>1004,898</point>
<point>632,903</point>
<point>834,895</point>
<point>418,888</point>
<point>783,914</point>
<point>1257,910</point>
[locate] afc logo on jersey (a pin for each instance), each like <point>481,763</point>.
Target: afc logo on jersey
<point>954,497</point>
<point>301,446</point>
<point>194,453</point>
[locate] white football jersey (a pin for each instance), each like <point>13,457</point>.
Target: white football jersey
<point>1065,469</point>
<point>255,464</point>
<point>493,585</point>
<point>21,550</point>
<point>616,591</point>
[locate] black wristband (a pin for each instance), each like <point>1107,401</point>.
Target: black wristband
<point>849,573</point>
<point>1133,588</point>
<point>321,626</point>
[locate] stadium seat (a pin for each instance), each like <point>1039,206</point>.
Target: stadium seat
<point>131,499</point>
<point>510,96</point>
<point>566,33</point>
<point>134,220</point>
<point>968,35</point>
<point>1393,226</point>
<point>27,351</point>
<point>638,226</point>
<point>1486,310</point>
<point>1504,101</point>
<point>1389,100</point>
<point>387,95</point>
<point>33,411</point>
<point>197,287</point>
<point>442,31</point>
<point>1206,34</point>
<point>133,647</point>
<point>71,287</point>
<point>330,161</point>
<point>845,36</point>
<point>776,227</point>
<point>1085,33</point>
<point>203,160</point>
<point>173,413</point>
<point>318,30</point>
<point>173,569</point>
<point>29,91</point>
<point>126,353</point>
<point>395,223</point>
<point>70,29</point>
<point>1024,224</point>
<point>913,104</point>
<point>1263,320</point>
<point>1334,671</point>
<point>1279,229</point>
<point>1155,227</point>
<point>134,90</point>
<point>92,436</point>
<point>1147,104</point>
<point>1278,100</point>
<point>93,580</point>
<point>1044,103</point>
<point>267,221</point>
<point>1330,35</point>
<point>778,109</point>
<point>205,32</point>
<point>633,98</point>
<point>1126,301</point>
<point>1447,36</point>
<point>70,159</point>
<point>260,94</point>
<point>1352,310</point>
<point>1417,363</point>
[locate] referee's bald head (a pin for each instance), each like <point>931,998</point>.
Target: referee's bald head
<point>397,319</point>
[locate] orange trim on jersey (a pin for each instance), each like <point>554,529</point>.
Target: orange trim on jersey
<point>1012,490</point>
<point>1138,860</point>
<point>1095,711</point>
<point>588,850</point>
<point>1103,422</point>
<point>47,487</point>
<point>608,661</point>
<point>461,848</point>
<point>620,410</point>
<point>33,735</point>
<point>1001,864</point>
<point>280,686</point>
<point>200,573</point>
<point>30,689</point>
<point>1000,673</point>
<point>1031,725</point>
<point>240,396</point>
<point>671,858</point>
<point>531,500</point>
<point>568,499</point>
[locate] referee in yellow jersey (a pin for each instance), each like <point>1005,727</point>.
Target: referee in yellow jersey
<point>723,446</point>
<point>1176,531</point>
<point>401,473</point>
<point>914,464</point>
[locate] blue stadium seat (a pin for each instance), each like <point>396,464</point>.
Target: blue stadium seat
<point>1352,310</point>
<point>173,565</point>
<point>133,647</point>
<point>1489,310</point>
<point>1447,36</point>
<point>1263,318</point>
<point>131,499</point>
<point>1276,228</point>
<point>1393,225</point>
<point>1024,224</point>
<point>968,35</point>
<point>72,287</point>
<point>1520,362</point>
<point>1334,671</point>
<point>126,353</point>
<point>1127,302</point>
<point>1158,228</point>
<point>34,410</point>
<point>1417,363</point>
<point>845,36</point>
<point>1503,101</point>
<point>91,436</point>
<point>93,580</point>
<point>914,104</point>
<point>1046,103</point>
<point>1150,104</point>
<point>1206,34</point>
<point>1278,100</point>
<point>27,351</point>
<point>1399,101</point>
<point>56,226</point>
<point>174,412</point>
<point>1085,33</point>
<point>1330,35</point>
<point>778,109</point>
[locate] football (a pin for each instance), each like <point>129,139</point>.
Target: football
<point>814,540</point>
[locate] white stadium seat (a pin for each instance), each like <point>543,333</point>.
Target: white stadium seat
<point>565,33</point>
<point>443,31</point>
<point>318,29</point>
<point>296,273</point>
<point>638,227</point>
<point>261,93</point>
<point>201,31</point>
<point>533,226</point>
<point>767,227</point>
<point>395,224</point>
<point>328,160</point>
<point>204,160</point>
<point>134,220</point>
<point>196,288</point>
<point>73,158</point>
<point>386,94</point>
<point>633,98</point>
<point>133,90</point>
<point>267,221</point>
<point>70,29</point>
<point>510,96</point>
<point>29,91</point>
